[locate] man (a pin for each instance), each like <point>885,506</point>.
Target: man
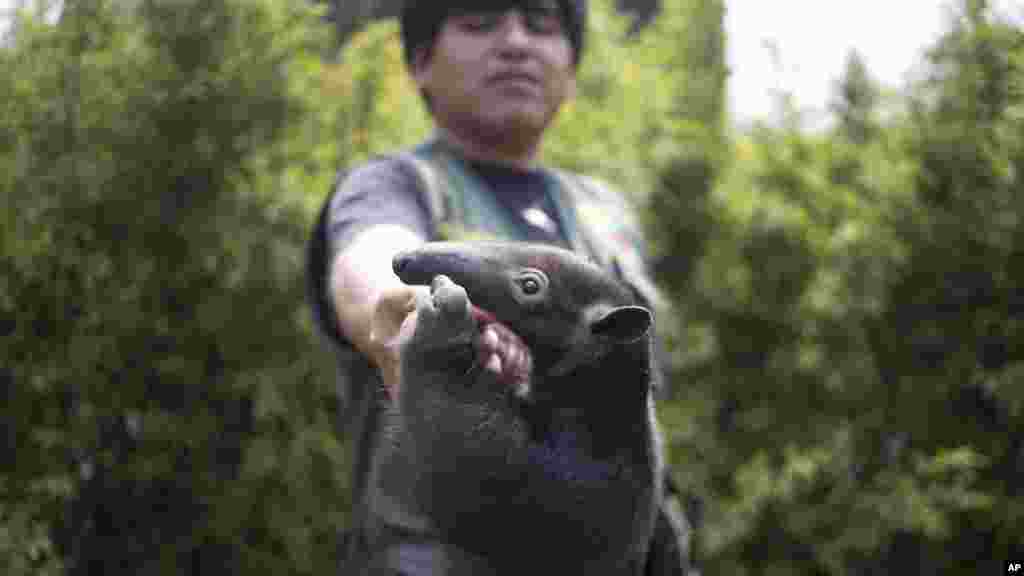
<point>493,74</point>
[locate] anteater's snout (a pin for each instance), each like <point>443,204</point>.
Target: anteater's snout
<point>400,262</point>
<point>419,266</point>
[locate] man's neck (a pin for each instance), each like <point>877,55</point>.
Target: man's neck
<point>522,157</point>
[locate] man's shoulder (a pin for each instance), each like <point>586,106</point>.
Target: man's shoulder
<point>379,167</point>
<point>383,177</point>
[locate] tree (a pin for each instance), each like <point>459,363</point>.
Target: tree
<point>162,390</point>
<point>848,338</point>
<point>952,335</point>
<point>856,101</point>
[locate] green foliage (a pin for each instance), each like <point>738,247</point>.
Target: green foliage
<point>849,326</point>
<point>856,102</point>
<point>382,109</point>
<point>162,389</point>
<point>597,131</point>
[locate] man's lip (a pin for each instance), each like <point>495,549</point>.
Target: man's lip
<point>515,77</point>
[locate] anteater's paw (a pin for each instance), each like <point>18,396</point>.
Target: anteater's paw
<point>480,354</point>
<point>444,315</point>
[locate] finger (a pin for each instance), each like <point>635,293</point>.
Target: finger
<point>523,367</point>
<point>494,364</point>
<point>395,302</point>
<point>490,339</point>
<point>513,358</point>
<point>512,348</point>
<point>500,331</point>
<point>389,311</point>
<point>510,338</point>
<point>484,346</point>
<point>407,328</point>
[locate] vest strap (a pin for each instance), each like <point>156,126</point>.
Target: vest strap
<point>430,184</point>
<point>568,193</point>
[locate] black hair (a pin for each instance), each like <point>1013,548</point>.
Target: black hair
<point>421,21</point>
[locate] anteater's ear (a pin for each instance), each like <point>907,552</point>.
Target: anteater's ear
<point>623,324</point>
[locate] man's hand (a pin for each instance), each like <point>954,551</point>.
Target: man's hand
<point>394,320</point>
<point>502,351</point>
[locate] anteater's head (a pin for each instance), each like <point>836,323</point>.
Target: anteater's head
<point>556,301</point>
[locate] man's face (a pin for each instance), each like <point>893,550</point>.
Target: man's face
<point>498,73</point>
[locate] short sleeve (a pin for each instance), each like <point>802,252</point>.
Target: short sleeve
<point>384,191</point>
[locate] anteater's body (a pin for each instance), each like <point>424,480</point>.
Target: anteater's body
<point>557,474</point>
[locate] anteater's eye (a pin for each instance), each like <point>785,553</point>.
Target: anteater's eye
<point>531,282</point>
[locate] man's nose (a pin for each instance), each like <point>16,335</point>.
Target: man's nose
<point>514,33</point>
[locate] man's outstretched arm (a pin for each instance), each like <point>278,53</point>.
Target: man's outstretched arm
<point>371,303</point>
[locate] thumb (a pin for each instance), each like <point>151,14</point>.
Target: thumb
<point>393,308</point>
<point>394,317</point>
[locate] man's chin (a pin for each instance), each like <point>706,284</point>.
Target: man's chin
<point>527,127</point>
